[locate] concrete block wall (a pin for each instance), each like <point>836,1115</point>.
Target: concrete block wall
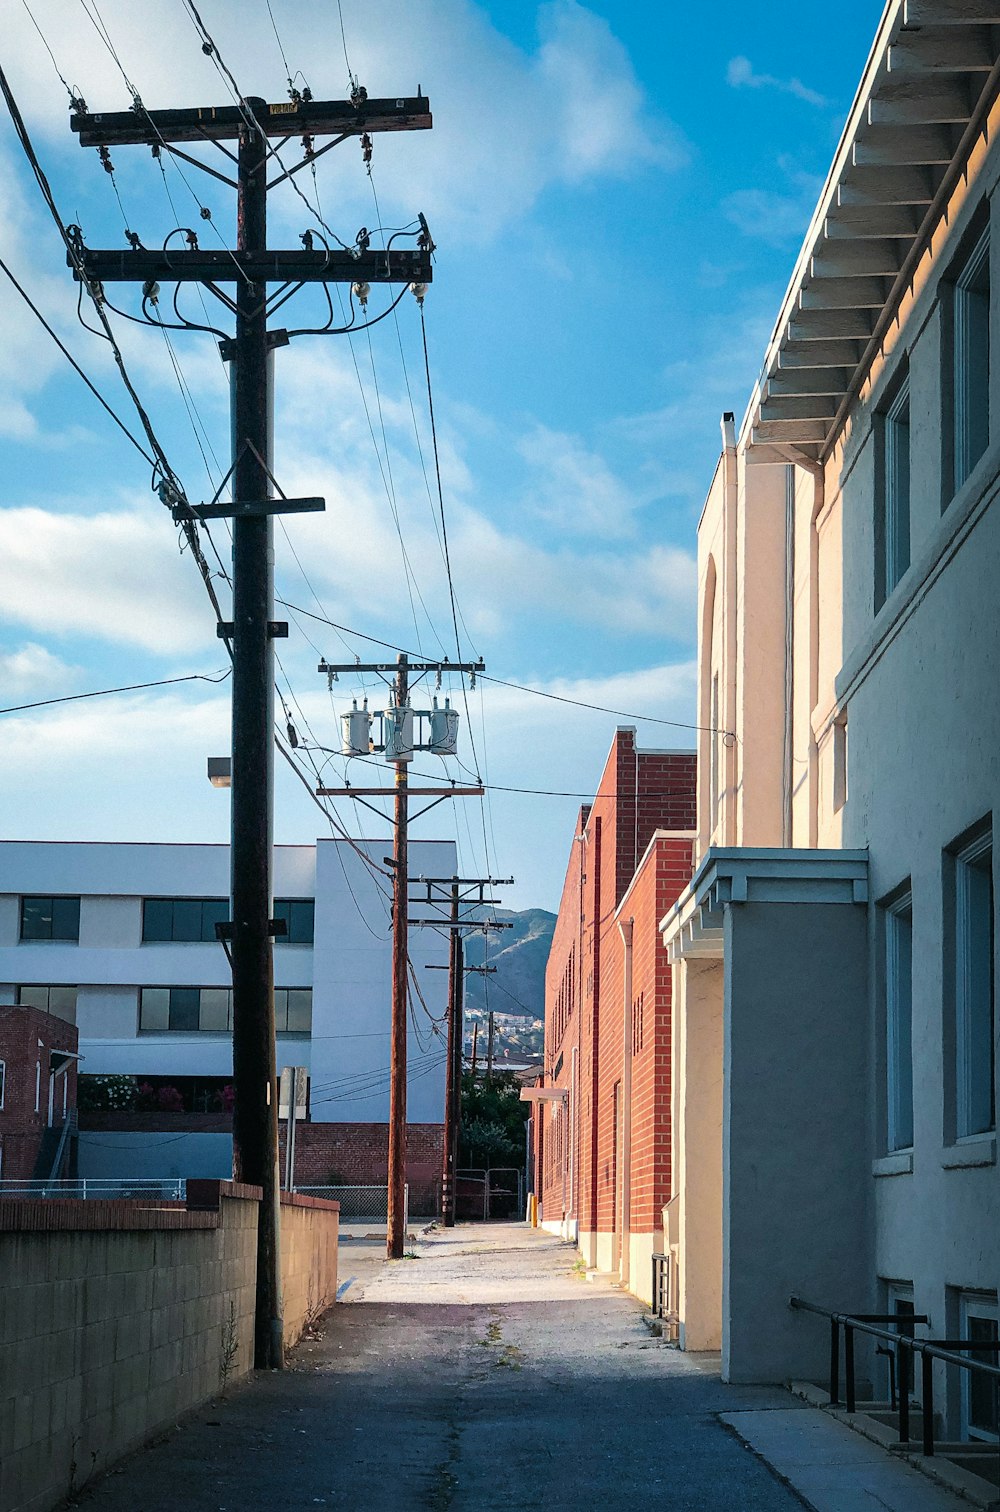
<point>308,1261</point>
<point>117,1318</point>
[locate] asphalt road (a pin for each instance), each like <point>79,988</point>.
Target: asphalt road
<point>486,1373</point>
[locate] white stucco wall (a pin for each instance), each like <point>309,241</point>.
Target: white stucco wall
<point>348,967</point>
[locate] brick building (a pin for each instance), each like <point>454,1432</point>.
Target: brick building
<point>37,1091</point>
<point>602,1149</point>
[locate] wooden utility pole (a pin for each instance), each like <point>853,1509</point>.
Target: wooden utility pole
<point>401,922</point>
<point>396,1235</point>
<point>452,1086</point>
<point>489,1048</point>
<point>251,267</point>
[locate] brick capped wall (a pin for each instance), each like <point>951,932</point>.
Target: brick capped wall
<point>641,794</point>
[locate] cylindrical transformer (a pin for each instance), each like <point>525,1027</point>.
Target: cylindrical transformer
<point>356,727</point>
<point>397,726</point>
<point>444,730</point>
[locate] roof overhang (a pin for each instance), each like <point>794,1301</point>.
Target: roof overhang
<point>693,928</point>
<point>544,1094</point>
<point>931,77</point>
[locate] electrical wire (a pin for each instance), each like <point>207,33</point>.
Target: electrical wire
<point>160,682</point>
<point>580,703</point>
<point>75,365</point>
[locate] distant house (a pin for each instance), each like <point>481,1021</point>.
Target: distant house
<point>122,938</point>
<point>834,957</point>
<point>38,1058</point>
<point>601,1121</point>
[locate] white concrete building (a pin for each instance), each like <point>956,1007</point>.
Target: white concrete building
<point>120,937</point>
<point>835,1059</point>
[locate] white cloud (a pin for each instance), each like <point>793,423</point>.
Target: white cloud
<point>573,486</point>
<point>774,216</point>
<point>508,122</point>
<point>741,74</point>
<point>114,577</point>
<point>33,671</point>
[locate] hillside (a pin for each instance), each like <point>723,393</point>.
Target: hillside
<point>520,955</point>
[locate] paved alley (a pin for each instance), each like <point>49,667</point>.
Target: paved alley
<point>485,1373</point>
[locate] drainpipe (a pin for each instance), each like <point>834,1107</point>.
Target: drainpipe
<point>625,929</point>
<point>727,765</point>
<point>788,765</point>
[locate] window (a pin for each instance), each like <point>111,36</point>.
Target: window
<point>893,525</point>
<point>299,917</point>
<point>899,1022</point>
<point>839,762</point>
<point>50,919</point>
<point>980,1397</point>
<point>3,1081</point>
<point>971,346</point>
<point>900,1299</point>
<point>190,920</point>
<point>209,1010</point>
<point>974,999</point>
<point>60,1001</point>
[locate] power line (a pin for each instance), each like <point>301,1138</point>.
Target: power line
<point>580,703</point>
<point>75,365</point>
<point>160,682</point>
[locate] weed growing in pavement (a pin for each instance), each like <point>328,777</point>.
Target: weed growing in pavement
<point>410,1255</point>
<point>229,1349</point>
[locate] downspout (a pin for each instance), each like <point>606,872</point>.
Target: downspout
<point>787,771</point>
<point>729,576</point>
<point>819,499</point>
<point>625,929</point>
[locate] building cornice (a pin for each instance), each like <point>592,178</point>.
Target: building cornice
<point>931,77</point>
<point>742,874</point>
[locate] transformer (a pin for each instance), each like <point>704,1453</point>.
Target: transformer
<point>397,728</point>
<point>444,730</point>
<point>356,727</point>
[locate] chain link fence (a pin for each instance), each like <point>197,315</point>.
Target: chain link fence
<point>169,1189</point>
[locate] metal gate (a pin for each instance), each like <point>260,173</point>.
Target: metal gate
<point>495,1194</point>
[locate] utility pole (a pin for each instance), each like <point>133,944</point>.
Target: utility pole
<point>489,1048</point>
<point>396,1226</point>
<point>460,890</point>
<point>251,267</point>
<point>452,1088</point>
<point>399,747</point>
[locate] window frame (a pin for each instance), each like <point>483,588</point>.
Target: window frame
<point>982,1306</point>
<point>202,902</point>
<point>283,1007</point>
<point>51,938</point>
<point>48,988</point>
<point>893,493</point>
<point>899,1113</point>
<point>970,859</point>
<point>3,1083</point>
<point>964,446</point>
<point>288,909</point>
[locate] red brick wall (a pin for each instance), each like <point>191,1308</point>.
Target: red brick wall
<point>357,1154</point>
<point>639,794</point>
<point>27,1036</point>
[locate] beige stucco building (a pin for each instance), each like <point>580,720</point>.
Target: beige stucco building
<point>834,1063</point>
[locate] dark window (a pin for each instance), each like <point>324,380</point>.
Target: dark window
<point>892,525</point>
<point>185,1005</point>
<point>182,920</point>
<point>299,916</point>
<point>983,1393</point>
<point>50,918</point>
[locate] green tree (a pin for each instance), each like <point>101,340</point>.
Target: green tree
<point>493,1119</point>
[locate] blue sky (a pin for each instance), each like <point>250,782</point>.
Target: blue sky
<point>618,193</point>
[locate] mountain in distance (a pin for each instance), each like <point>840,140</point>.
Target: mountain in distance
<point>519,955</point>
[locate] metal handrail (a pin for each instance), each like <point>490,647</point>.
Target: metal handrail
<point>928,1349</point>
